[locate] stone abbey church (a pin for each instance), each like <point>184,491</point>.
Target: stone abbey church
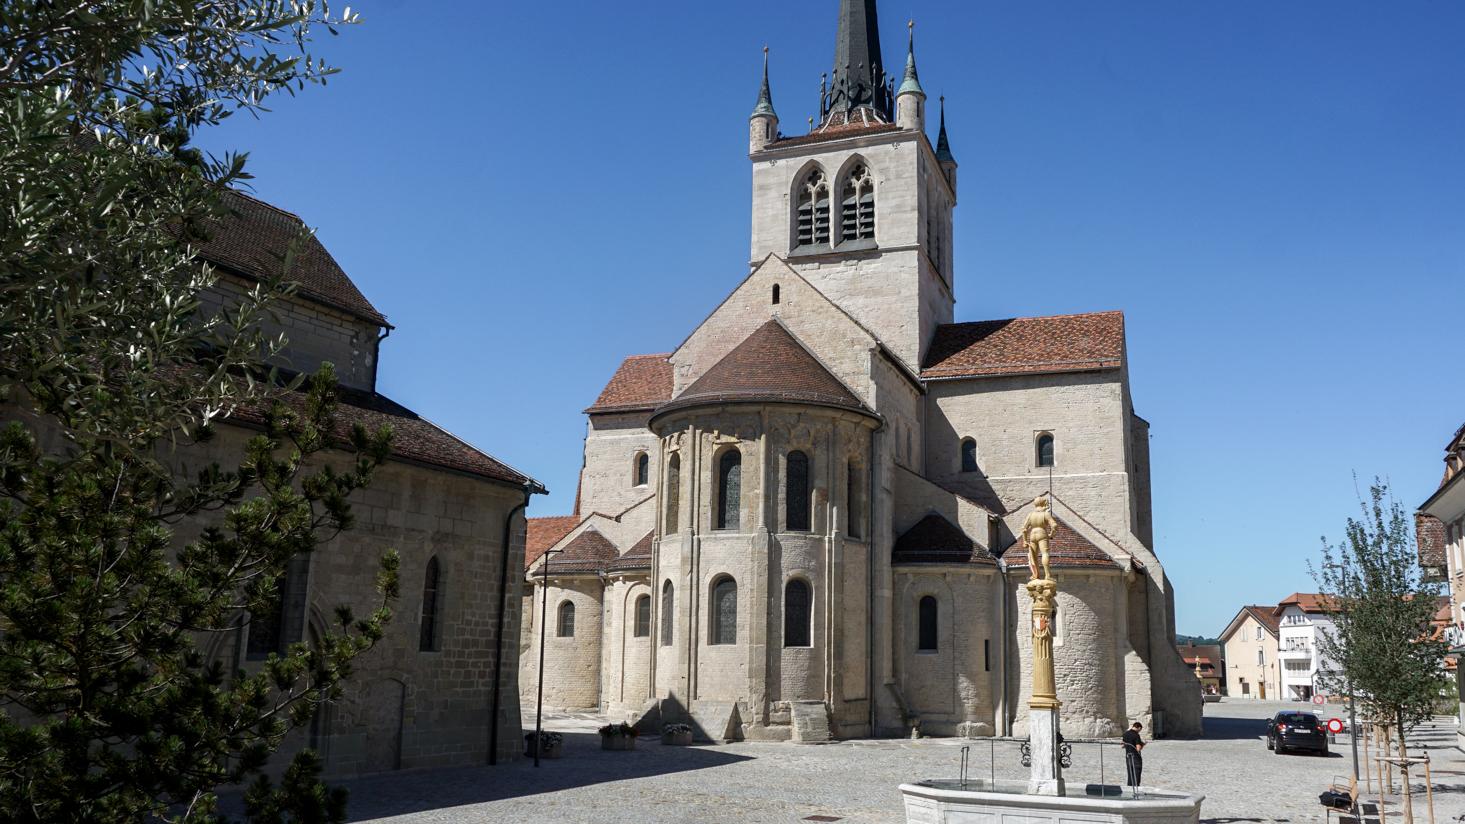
<point>800,523</point>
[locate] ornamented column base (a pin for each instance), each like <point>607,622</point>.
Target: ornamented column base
<point>1046,777</point>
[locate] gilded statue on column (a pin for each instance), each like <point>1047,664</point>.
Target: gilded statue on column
<point>1036,532</point>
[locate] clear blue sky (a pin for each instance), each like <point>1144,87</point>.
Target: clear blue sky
<point>1272,192</point>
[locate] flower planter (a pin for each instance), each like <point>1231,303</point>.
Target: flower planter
<point>677,739</point>
<point>547,750</point>
<point>618,742</point>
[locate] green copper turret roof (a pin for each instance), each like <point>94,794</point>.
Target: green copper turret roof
<point>943,148</point>
<point>765,97</point>
<point>912,83</point>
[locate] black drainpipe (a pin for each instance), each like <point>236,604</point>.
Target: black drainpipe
<point>498,654</point>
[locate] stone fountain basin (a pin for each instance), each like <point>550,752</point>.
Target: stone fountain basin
<point>977,802</point>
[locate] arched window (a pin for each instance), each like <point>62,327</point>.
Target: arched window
<point>1045,449</point>
<point>775,293</point>
<point>427,640</point>
<point>643,617</point>
<point>796,496</point>
<point>968,455</point>
<point>567,620</point>
<point>729,489</point>
<point>857,201</point>
<point>264,626</point>
<point>928,624</point>
<point>796,614</point>
<point>724,623</point>
<point>273,631</point>
<point>814,210</point>
<point>854,513</point>
<point>673,494</point>
<point>643,469</point>
<point>668,613</point>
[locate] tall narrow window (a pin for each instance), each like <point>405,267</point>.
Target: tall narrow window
<point>668,613</point>
<point>567,620</point>
<point>427,640</point>
<point>857,206</point>
<point>643,617</point>
<point>853,513</point>
<point>775,293</point>
<point>796,614</point>
<point>814,210</point>
<point>928,624</point>
<point>1045,449</point>
<point>724,622</point>
<point>673,494</point>
<point>643,469</point>
<point>968,455</point>
<point>796,500</point>
<point>987,655</point>
<point>729,489</point>
<point>264,626</point>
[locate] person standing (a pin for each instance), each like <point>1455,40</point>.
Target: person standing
<point>1132,759</point>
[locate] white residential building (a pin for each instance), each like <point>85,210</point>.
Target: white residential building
<point>1301,623</point>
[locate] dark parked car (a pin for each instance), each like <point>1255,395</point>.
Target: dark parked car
<point>1296,731</point>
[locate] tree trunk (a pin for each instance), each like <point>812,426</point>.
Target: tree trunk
<point>1404,775</point>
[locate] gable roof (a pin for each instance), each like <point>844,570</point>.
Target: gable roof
<point>545,533</point>
<point>588,552</point>
<point>245,242</point>
<point>415,439</point>
<point>641,382</point>
<point>1306,601</point>
<point>637,557</point>
<point>1067,548</point>
<point>1060,343</point>
<point>770,365</point>
<point>935,540</point>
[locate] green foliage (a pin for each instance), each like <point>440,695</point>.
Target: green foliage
<point>1383,649</point>
<point>111,367</point>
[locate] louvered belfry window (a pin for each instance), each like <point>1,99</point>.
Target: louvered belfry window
<point>796,614</point>
<point>814,210</point>
<point>673,494</point>
<point>796,501</point>
<point>427,640</point>
<point>729,489</point>
<point>857,210</point>
<point>725,612</point>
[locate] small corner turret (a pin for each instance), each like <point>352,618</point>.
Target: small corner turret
<point>910,98</point>
<point>943,151</point>
<point>763,124</point>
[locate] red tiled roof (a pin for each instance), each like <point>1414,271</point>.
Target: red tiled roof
<point>414,438</point>
<point>935,540</point>
<point>637,557</point>
<point>1266,617</point>
<point>642,382</point>
<point>1429,534</point>
<point>769,366</point>
<point>832,133</point>
<point>1062,343</point>
<point>1307,601</point>
<point>545,533</point>
<point>246,241</point>
<point>588,552</point>
<point>1067,548</point>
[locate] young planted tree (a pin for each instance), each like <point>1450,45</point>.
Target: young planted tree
<point>1383,648</point>
<point>118,562</point>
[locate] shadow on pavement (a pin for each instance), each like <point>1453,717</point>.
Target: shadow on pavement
<point>1223,729</point>
<point>584,764</point>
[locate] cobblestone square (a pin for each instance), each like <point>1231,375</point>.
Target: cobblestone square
<point>856,781</point>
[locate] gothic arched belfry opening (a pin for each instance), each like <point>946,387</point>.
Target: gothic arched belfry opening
<point>837,473</point>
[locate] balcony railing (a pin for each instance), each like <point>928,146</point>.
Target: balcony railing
<point>1298,654</point>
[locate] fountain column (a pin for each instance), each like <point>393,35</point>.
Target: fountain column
<point>1043,738</point>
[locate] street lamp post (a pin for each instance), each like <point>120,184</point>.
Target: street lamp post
<point>539,699</point>
<point>1352,708</point>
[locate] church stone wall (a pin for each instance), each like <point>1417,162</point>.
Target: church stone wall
<point>628,658</point>
<point>316,333</point>
<point>608,480</point>
<point>406,708</point>
<point>572,666</point>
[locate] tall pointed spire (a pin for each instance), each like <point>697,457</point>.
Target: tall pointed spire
<point>859,79</point>
<point>943,148</point>
<point>765,97</point>
<point>912,82</point>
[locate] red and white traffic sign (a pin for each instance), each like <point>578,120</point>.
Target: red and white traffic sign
<point>1319,700</point>
<point>1335,725</point>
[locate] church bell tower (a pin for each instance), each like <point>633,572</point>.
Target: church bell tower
<point>861,205</point>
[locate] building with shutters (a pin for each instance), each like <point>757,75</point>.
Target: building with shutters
<point>799,524</point>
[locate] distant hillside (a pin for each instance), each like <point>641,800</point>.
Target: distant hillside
<point>1200,640</point>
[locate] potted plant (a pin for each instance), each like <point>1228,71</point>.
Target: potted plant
<point>620,736</point>
<point>676,734</point>
<point>549,745</point>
